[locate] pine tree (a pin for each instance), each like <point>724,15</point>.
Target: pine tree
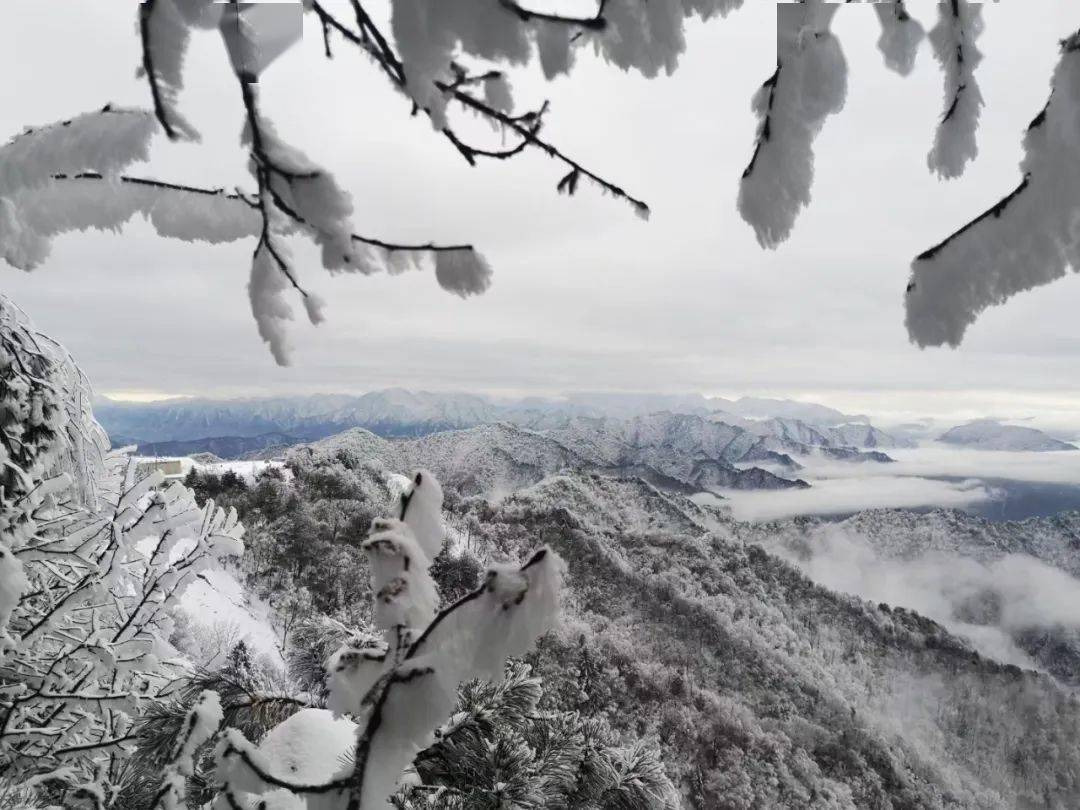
<point>396,689</point>
<point>498,750</point>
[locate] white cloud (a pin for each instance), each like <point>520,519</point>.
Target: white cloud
<point>842,496</point>
<point>940,460</point>
<point>914,481</point>
<point>986,603</point>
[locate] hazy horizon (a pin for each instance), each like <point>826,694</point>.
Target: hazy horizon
<point>1061,420</point>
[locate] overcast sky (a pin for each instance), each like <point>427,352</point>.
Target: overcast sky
<point>586,296</point>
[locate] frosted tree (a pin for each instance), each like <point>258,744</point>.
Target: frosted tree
<point>500,749</point>
<point>388,696</point>
<point>91,563</point>
<point>449,59</point>
<point>499,745</point>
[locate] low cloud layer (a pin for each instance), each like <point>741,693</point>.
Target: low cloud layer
<point>934,475</point>
<point>843,496</point>
<point>986,603</point>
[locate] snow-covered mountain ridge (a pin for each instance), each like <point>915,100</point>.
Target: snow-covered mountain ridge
<point>988,434</point>
<point>765,689</point>
<point>678,453</point>
<point>397,412</point>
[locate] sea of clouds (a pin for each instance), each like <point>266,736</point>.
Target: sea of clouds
<point>930,476</point>
<point>988,603</point>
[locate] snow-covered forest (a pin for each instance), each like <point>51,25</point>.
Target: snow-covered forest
<point>423,601</point>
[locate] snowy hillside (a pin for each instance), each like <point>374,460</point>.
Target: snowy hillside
<point>987,434</point>
<point>764,686</point>
<point>1011,588</point>
<point>767,690</point>
<point>674,452</point>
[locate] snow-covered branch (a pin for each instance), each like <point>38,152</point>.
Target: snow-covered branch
<point>164,35</point>
<point>953,39</point>
<point>595,22</point>
<point>399,692</point>
<point>900,36</point>
<point>433,86</point>
<point>91,563</point>
<point>1028,238</point>
<point>810,83</point>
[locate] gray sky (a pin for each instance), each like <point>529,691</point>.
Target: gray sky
<point>585,296</point>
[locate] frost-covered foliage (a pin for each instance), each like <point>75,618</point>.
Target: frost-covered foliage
<point>301,537</point>
<point>1028,238</point>
<point>91,563</point>
<point>953,39</point>
<point>500,748</point>
<point>809,84</point>
<point>394,690</point>
<point>500,744</point>
<point>449,58</point>
<point>201,723</point>
<point>900,36</point>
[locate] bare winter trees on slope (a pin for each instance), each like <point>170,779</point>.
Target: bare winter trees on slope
<point>70,176</point>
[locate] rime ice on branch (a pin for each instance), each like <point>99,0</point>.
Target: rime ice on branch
<point>1028,238</point>
<point>445,58</point>
<point>901,35</point>
<point>953,38</point>
<point>400,691</point>
<point>91,563</point>
<point>810,83</point>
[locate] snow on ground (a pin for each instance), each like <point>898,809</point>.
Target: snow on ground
<point>217,601</point>
<point>248,470</point>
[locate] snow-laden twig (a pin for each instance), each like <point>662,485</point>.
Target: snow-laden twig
<point>401,692</point>
<point>810,83</point>
<point>960,24</point>
<point>900,36</point>
<point>1028,238</point>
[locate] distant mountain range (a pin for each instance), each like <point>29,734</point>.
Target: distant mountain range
<point>239,428</point>
<point>988,434</point>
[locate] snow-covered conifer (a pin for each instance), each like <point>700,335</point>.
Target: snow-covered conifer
<point>395,692</point>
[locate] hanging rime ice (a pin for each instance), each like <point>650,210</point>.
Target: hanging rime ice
<point>1028,238</point>
<point>398,692</point>
<point>446,58</point>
